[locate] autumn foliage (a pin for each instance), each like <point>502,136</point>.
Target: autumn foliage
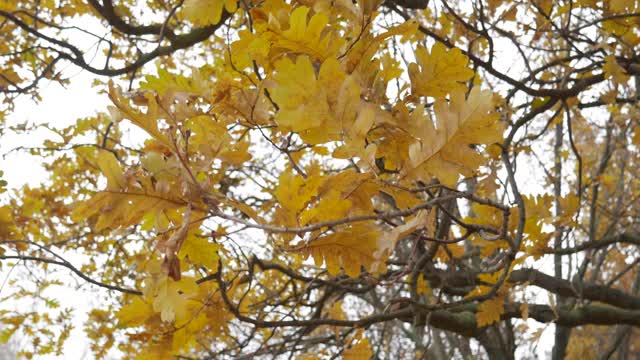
<point>320,179</point>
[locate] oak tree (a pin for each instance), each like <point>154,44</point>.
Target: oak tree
<point>316,179</point>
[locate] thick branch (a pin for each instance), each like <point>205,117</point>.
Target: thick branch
<point>587,291</point>
<point>108,13</point>
<point>625,238</point>
<point>75,56</point>
<point>73,269</point>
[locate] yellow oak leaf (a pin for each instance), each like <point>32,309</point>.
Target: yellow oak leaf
<point>7,223</point>
<point>347,104</point>
<point>147,121</point>
<point>171,298</point>
<point>311,37</point>
<point>445,150</point>
<point>3,183</point>
<point>135,313</point>
<point>337,313</point>
<point>166,81</point>
<point>355,141</point>
<point>294,192</point>
<point>569,206</point>
<point>620,5</point>
<point>9,77</point>
<point>300,98</point>
<point>358,188</point>
<point>8,5</point>
<point>120,209</point>
<point>248,48</point>
<point>313,106</point>
<point>331,206</point>
<point>157,350</point>
<point>207,12</point>
<point>537,209</point>
<point>362,52</point>
<point>392,142</point>
<point>618,27</point>
<point>449,252</point>
<point>490,278</point>
<point>360,351</point>
<point>307,356</point>
<point>111,169</point>
<point>487,215</point>
<point>308,38</point>
<point>612,70</point>
<point>403,199</point>
<point>349,249</point>
<point>440,72</point>
<point>390,238</point>
<point>636,136</point>
<point>524,310</point>
<point>190,328</point>
<point>537,244</point>
<point>489,311</point>
<point>421,286</point>
<point>538,206</point>
<point>212,138</point>
<point>200,251</point>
